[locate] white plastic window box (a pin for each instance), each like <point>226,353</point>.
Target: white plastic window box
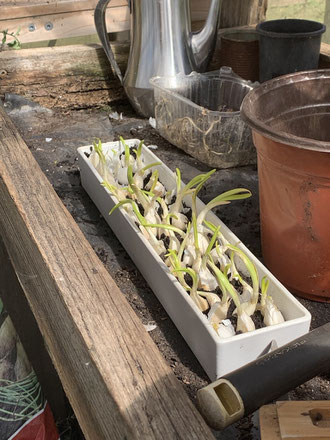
<point>217,356</point>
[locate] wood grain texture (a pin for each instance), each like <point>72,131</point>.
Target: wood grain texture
<point>66,25</point>
<point>242,12</point>
<point>324,62</point>
<point>296,423</point>
<point>24,8</point>
<point>68,77</point>
<point>76,18</point>
<point>113,374</point>
<point>269,427</point>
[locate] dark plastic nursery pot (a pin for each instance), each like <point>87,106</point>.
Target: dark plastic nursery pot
<point>287,46</point>
<point>290,121</point>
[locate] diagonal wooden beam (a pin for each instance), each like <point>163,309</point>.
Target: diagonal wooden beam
<point>113,374</point>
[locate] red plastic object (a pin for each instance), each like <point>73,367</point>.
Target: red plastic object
<point>39,427</point>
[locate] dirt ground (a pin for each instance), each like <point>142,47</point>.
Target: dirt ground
<point>53,139</point>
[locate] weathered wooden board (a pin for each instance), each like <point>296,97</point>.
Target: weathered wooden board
<point>65,25</point>
<point>324,62</point>
<point>26,8</point>
<point>113,374</point>
<point>306,420</point>
<point>68,77</point>
<point>242,12</point>
<point>269,427</point>
<point>295,420</point>
<point>47,20</point>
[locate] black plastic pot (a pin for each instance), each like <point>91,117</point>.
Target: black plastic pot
<point>287,46</point>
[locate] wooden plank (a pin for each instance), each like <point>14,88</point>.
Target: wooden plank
<point>199,9</point>
<point>240,13</point>
<point>269,427</point>
<point>324,62</point>
<point>113,374</point>
<point>66,25</point>
<point>69,19</point>
<point>68,77</point>
<point>26,327</point>
<point>23,9</point>
<point>295,420</point>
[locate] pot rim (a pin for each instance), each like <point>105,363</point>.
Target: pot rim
<point>283,137</point>
<point>306,34</point>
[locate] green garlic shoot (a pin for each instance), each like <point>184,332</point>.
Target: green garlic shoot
<point>222,309</point>
<point>201,303</point>
<point>154,186</point>
<point>268,309</point>
<point>250,307</point>
<point>206,279</point>
<point>223,199</point>
<point>181,193</point>
<point>175,265</point>
<point>99,162</point>
<point>119,193</point>
<point>244,321</point>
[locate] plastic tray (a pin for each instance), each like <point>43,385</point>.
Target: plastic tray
<point>199,113</point>
<point>217,356</point>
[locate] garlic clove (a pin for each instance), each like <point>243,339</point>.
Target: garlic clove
<point>245,323</point>
<point>206,280</point>
<point>272,315</point>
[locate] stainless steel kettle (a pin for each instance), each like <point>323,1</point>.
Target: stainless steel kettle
<point>162,44</point>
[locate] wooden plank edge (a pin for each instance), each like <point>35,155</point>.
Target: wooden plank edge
<point>269,425</point>
<point>46,8</point>
<point>66,25</point>
<point>113,374</point>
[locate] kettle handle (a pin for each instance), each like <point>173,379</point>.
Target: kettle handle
<point>99,20</point>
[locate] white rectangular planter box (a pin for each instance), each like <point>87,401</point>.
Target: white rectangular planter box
<point>217,356</point>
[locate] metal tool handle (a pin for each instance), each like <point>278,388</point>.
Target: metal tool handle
<point>99,20</point>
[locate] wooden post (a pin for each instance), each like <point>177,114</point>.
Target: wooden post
<point>117,382</point>
<point>242,12</point>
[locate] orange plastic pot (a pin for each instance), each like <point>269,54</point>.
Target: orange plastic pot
<point>290,121</point>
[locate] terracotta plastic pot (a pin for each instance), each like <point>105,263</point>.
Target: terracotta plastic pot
<point>290,120</point>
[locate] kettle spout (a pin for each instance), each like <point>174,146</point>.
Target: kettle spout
<point>203,42</point>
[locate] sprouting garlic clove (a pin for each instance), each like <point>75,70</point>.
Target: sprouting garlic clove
<point>203,242</point>
<point>272,315</point>
<point>189,255</point>
<point>226,329</point>
<point>220,257</point>
<point>179,222</point>
<point>201,303</point>
<point>122,176</point>
<point>245,323</point>
<point>138,180</point>
<point>158,190</point>
<point>217,312</point>
<point>206,280</point>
